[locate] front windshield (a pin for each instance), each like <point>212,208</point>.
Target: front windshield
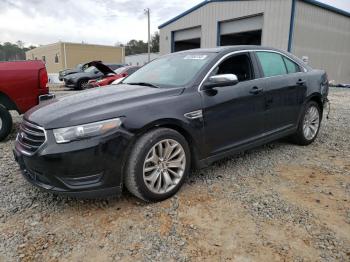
<point>172,70</point>
<point>90,69</point>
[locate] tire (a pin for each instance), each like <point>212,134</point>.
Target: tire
<point>144,156</point>
<point>81,85</point>
<point>5,123</point>
<point>301,137</point>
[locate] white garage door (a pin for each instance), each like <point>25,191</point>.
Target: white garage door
<point>186,34</point>
<point>242,25</point>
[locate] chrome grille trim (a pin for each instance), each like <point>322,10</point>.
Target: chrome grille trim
<point>30,138</point>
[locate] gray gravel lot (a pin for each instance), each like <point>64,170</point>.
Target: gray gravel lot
<point>276,202</point>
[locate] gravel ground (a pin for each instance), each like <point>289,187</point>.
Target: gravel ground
<point>276,202</point>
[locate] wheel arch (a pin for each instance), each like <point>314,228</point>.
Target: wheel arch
<point>316,97</point>
<point>7,102</point>
<point>178,126</point>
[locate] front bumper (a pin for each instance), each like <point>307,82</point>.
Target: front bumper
<point>90,168</point>
<point>70,83</point>
<point>46,97</point>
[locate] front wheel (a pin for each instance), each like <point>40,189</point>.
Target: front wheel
<point>158,165</point>
<point>82,84</point>
<point>309,124</point>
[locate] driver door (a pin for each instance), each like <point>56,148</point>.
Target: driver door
<point>233,115</point>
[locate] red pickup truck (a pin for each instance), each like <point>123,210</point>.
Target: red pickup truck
<point>23,84</point>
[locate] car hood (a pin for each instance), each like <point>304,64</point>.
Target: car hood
<point>102,67</point>
<point>95,105</point>
<point>70,71</point>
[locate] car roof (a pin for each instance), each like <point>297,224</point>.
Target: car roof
<point>222,50</point>
<point>230,49</point>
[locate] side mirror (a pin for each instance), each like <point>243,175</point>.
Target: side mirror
<point>220,81</point>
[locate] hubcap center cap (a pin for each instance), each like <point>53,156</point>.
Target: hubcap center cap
<point>162,166</point>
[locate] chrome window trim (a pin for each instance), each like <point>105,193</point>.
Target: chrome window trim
<point>304,70</point>
<point>43,144</point>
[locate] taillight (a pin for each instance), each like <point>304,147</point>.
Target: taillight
<point>43,78</point>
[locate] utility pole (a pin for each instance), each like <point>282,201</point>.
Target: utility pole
<point>147,12</point>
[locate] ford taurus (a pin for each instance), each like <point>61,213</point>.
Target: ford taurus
<point>183,110</point>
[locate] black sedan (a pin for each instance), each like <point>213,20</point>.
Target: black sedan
<point>184,109</point>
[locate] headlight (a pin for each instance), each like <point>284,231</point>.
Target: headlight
<point>68,134</point>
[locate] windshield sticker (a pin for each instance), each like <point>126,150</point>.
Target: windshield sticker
<point>195,57</point>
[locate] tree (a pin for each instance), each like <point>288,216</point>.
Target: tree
<point>155,42</point>
<point>134,47</point>
<point>10,52</point>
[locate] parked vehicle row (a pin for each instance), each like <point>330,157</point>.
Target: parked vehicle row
<point>184,109</point>
<point>22,85</point>
<point>81,67</point>
<point>92,70</point>
<point>110,78</point>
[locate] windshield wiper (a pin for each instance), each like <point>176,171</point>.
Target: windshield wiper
<point>143,84</point>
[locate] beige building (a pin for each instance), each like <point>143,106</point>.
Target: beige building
<point>309,29</point>
<point>61,55</point>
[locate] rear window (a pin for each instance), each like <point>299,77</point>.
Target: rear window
<point>272,64</point>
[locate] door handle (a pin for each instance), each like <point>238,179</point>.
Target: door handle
<point>256,90</point>
<point>301,82</point>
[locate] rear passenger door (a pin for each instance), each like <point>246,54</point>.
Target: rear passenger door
<point>284,86</point>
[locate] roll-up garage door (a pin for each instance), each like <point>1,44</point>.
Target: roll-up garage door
<point>187,39</point>
<point>242,31</point>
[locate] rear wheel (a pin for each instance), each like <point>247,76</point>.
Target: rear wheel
<point>309,124</point>
<point>5,123</point>
<point>158,165</point>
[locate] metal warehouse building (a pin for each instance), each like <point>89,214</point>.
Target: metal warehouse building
<point>307,28</point>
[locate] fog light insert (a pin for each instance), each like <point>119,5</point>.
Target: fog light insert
<point>83,181</point>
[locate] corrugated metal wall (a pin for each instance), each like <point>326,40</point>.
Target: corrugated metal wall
<point>324,37</point>
<point>275,30</point>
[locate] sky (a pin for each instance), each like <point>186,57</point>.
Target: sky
<point>107,22</point>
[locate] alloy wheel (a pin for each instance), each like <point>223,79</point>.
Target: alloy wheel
<point>164,166</point>
<point>84,85</point>
<point>311,123</point>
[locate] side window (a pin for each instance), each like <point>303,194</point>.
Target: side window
<point>272,64</point>
<point>238,65</point>
<point>291,66</point>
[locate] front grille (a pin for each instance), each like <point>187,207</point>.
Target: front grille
<point>31,137</point>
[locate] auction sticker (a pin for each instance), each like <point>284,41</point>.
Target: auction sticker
<point>195,57</point>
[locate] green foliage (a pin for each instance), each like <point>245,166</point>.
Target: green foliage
<point>134,47</point>
<point>155,42</point>
<point>11,52</point>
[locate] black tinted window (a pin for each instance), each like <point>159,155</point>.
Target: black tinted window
<point>238,65</point>
<point>272,64</point>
